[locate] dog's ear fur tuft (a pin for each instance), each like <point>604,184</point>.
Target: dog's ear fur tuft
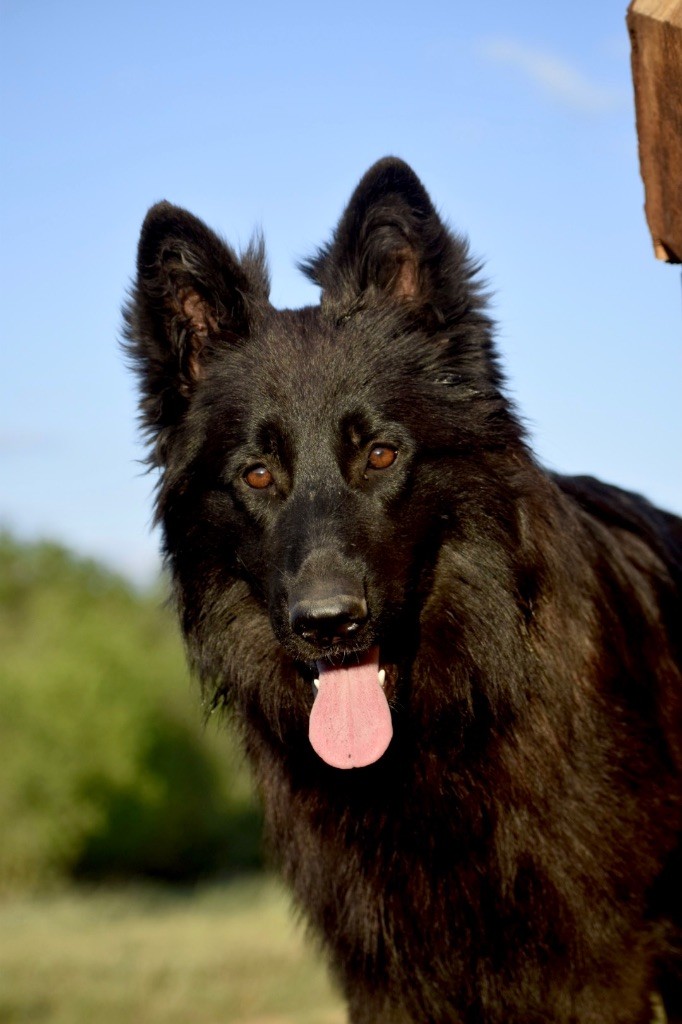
<point>390,244</point>
<point>192,295</point>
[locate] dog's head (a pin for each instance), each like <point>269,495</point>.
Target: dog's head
<point>312,460</point>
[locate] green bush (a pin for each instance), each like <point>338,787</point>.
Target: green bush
<point>106,766</point>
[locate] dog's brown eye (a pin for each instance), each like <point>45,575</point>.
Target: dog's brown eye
<point>259,477</point>
<point>381,457</point>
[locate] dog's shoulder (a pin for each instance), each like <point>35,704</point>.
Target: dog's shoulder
<point>625,513</point>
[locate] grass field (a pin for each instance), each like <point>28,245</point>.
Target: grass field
<point>144,955</point>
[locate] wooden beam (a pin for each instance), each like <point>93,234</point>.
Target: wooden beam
<point>655,28</point>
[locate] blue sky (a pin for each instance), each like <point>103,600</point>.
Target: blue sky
<point>517,117</point>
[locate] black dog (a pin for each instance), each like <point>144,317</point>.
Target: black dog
<point>374,573</point>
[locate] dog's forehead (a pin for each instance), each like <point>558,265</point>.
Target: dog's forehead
<point>306,358</point>
<point>305,369</point>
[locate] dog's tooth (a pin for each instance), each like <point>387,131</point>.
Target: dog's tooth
<point>382,676</point>
<point>316,683</point>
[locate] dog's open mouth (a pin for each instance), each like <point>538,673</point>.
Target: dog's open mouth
<point>350,723</point>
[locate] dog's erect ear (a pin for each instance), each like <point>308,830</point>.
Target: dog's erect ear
<point>191,296</point>
<point>390,243</point>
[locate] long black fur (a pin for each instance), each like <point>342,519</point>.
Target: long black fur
<point>514,856</point>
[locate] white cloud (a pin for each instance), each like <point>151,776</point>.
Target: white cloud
<point>553,74</point>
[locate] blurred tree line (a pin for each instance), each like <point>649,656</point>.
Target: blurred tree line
<point>106,767</point>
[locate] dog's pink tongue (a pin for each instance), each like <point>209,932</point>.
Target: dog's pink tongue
<point>350,724</point>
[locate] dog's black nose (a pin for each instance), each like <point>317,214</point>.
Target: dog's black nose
<point>328,620</point>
